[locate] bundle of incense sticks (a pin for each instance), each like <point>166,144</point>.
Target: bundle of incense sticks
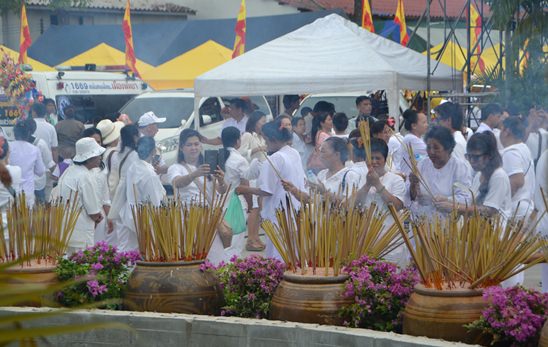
<point>471,250</point>
<point>177,231</point>
<point>365,133</point>
<point>323,234</point>
<point>41,233</point>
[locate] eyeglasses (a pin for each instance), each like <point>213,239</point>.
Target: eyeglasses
<point>473,157</point>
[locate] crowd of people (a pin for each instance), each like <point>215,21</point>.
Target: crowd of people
<point>498,170</point>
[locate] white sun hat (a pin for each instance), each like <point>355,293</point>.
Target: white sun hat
<point>149,118</point>
<point>110,131</point>
<point>87,148</point>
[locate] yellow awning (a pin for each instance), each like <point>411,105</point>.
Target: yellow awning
<point>181,71</point>
<point>104,55</point>
<point>36,65</point>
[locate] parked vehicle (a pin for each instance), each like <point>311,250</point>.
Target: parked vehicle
<point>95,95</point>
<point>178,107</point>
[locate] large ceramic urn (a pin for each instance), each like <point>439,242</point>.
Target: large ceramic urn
<point>310,298</point>
<point>543,342</point>
<point>177,287</point>
<point>36,275</point>
<point>441,314</point>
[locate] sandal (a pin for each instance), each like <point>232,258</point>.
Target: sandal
<point>254,247</point>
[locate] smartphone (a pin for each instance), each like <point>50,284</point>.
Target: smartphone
<point>312,177</point>
<point>212,159</point>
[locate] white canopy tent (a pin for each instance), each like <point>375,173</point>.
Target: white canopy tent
<point>331,54</point>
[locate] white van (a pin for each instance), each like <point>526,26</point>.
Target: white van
<point>178,107</point>
<point>95,95</point>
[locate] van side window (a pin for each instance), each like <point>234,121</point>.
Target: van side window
<point>212,108</point>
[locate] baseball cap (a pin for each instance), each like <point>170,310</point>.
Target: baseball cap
<point>149,118</point>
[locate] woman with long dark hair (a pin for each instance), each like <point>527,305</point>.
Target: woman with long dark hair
<point>121,161</point>
<point>188,174</point>
<point>253,144</point>
<point>416,125</point>
<point>322,125</point>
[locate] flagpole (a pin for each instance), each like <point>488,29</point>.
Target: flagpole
<point>428,64</point>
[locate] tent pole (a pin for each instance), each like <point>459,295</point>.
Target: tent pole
<point>196,111</point>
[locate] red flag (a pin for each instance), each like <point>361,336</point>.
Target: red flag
<point>475,33</point>
<point>367,17</point>
<point>24,37</point>
<point>131,61</point>
<point>239,41</point>
<point>399,19</point>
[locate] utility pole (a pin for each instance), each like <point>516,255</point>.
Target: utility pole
<point>358,8</point>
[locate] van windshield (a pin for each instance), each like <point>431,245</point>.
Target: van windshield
<point>175,109</point>
<point>90,109</point>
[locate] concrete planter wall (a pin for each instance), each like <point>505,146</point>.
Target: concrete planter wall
<point>167,329</point>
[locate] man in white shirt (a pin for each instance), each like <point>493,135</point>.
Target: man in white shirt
<point>518,164</point>
<point>44,130</point>
<point>148,126</point>
<point>237,118</point>
<point>491,119</point>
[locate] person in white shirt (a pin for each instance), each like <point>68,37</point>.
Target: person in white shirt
<point>381,187</point>
<point>340,125</point>
<point>358,163</point>
<point>542,227</point>
<point>283,168</point>
<point>45,130</point>
<point>27,156</point>
<point>416,124</point>
<point>337,181</point>
<point>148,126</point>
<point>237,118</point>
<point>41,193</point>
<point>449,115</point>
<point>253,144</point>
<point>491,118</point>
<point>519,166</point>
<point>187,176</point>
<point>78,181</point>
<point>142,186</point>
<point>537,136</point>
<point>9,186</point>
<point>490,185</point>
<point>300,141</point>
<point>447,177</point>
<point>121,161</point>
<point>100,175</point>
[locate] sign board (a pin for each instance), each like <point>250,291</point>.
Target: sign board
<point>72,87</point>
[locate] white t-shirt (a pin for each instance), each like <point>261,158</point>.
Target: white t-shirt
<point>484,127</point>
<point>361,169</point>
<point>5,195</point>
<point>46,132</point>
<point>394,184</point>
<point>394,154</point>
<point>78,179</point>
<point>499,193</point>
<point>47,159</point>
<point>341,183</point>
<point>27,156</point>
<point>304,149</point>
<point>249,142</point>
<point>542,182</point>
<point>286,161</point>
<point>231,122</point>
<point>536,140</point>
<point>453,177</point>
<point>517,159</point>
<point>190,192</point>
<point>419,149</point>
<point>125,159</point>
